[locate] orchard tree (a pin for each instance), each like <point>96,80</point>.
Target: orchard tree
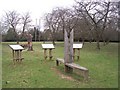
<point>95,14</point>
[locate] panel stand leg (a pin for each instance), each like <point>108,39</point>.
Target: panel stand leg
<point>20,58</point>
<point>45,56</point>
<point>50,54</point>
<point>17,58</point>
<point>86,75</point>
<point>13,56</point>
<point>78,57</point>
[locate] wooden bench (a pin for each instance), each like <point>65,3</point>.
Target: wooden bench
<point>58,61</point>
<point>83,71</point>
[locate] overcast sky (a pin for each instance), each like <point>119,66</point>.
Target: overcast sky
<point>37,8</point>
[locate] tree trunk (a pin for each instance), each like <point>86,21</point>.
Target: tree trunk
<point>104,43</point>
<point>98,44</point>
<point>53,42</point>
<point>17,39</point>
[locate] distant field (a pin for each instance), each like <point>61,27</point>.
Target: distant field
<point>35,72</point>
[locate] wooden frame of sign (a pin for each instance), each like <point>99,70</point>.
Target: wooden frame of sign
<point>77,53</point>
<point>17,53</point>
<point>48,47</point>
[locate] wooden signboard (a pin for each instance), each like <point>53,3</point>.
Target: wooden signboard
<point>48,47</point>
<point>77,47</point>
<point>16,50</point>
<point>16,47</point>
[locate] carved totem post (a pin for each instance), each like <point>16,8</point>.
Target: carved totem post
<point>30,46</point>
<point>68,49</point>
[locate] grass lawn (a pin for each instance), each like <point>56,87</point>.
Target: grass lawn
<point>35,72</point>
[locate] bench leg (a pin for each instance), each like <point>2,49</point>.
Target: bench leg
<point>57,63</point>
<point>78,57</point>
<point>68,69</point>
<point>86,75</point>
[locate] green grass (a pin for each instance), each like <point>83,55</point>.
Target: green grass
<point>35,72</point>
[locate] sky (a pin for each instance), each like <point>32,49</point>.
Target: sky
<point>37,8</point>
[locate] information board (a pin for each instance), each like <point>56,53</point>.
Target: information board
<point>48,46</point>
<point>16,47</point>
<point>77,45</point>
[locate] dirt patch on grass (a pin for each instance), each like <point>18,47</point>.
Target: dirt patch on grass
<point>62,75</point>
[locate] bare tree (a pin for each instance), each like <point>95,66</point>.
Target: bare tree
<point>26,19</point>
<point>2,28</point>
<point>96,13</point>
<point>12,20</point>
<point>68,19</point>
<point>52,22</point>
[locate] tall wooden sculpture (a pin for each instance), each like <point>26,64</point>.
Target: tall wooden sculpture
<point>68,49</point>
<point>30,46</point>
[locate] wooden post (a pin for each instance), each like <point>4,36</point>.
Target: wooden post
<point>16,55</point>
<point>86,75</point>
<point>17,58</point>
<point>57,62</point>
<point>20,58</point>
<point>13,57</point>
<point>50,54</point>
<point>30,46</point>
<point>45,55</point>
<point>78,57</point>
<point>68,51</point>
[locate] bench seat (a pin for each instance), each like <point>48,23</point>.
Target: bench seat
<point>74,66</point>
